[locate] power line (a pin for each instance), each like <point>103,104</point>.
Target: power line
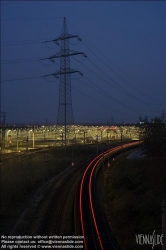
<point>20,43</point>
<point>108,95</point>
<point>19,79</point>
<point>76,90</point>
<point>30,19</point>
<point>27,60</point>
<point>25,78</point>
<point>20,60</point>
<point>101,91</point>
<point>127,92</point>
<point>114,65</point>
<point>101,103</point>
<point>37,41</point>
<point>119,75</point>
<point>108,84</point>
<point>40,59</point>
<point>105,92</point>
<point>25,41</point>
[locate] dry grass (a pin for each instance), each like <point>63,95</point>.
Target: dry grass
<point>134,193</point>
<point>20,177</point>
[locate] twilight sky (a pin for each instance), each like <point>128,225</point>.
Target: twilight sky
<point>124,74</point>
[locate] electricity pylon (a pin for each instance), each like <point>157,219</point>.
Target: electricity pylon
<point>65,111</point>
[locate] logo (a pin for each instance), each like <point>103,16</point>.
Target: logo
<point>149,239</point>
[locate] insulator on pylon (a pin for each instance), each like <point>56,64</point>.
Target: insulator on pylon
<point>65,112</point>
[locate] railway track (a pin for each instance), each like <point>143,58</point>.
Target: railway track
<point>60,216</point>
<point>24,154</point>
<point>60,213</point>
<point>93,224</point>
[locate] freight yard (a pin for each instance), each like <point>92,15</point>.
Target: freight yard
<point>26,138</point>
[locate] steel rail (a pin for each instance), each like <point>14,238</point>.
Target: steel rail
<point>61,193</point>
<point>25,154</point>
<point>81,198</point>
<point>88,176</point>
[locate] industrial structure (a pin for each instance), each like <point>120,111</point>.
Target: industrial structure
<point>65,112</point>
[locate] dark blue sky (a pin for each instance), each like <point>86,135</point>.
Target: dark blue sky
<point>124,73</point>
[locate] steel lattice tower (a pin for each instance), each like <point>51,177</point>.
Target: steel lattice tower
<point>65,112</point>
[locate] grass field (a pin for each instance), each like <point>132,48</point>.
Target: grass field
<point>133,198</point>
<point>22,177</point>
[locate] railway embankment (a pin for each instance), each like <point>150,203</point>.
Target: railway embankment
<point>26,180</point>
<point>27,184</point>
<point>134,189</point>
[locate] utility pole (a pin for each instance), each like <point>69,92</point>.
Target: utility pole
<point>65,112</point>
<point>17,140</point>
<point>107,136</point>
<point>27,144</point>
<point>3,129</point>
<point>44,139</point>
<point>97,137</point>
<point>33,139</point>
<point>85,137</point>
<point>62,139</point>
<point>101,132</point>
<point>121,141</point>
<point>121,132</point>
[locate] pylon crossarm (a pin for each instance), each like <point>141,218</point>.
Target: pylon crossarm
<point>47,58</point>
<point>66,72</point>
<point>84,54</point>
<point>51,59</point>
<point>51,75</point>
<point>71,36</point>
<point>52,41</point>
<point>67,36</point>
<point>67,53</point>
<point>65,112</point>
<point>73,52</point>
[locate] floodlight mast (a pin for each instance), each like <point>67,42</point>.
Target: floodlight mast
<point>65,111</point>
